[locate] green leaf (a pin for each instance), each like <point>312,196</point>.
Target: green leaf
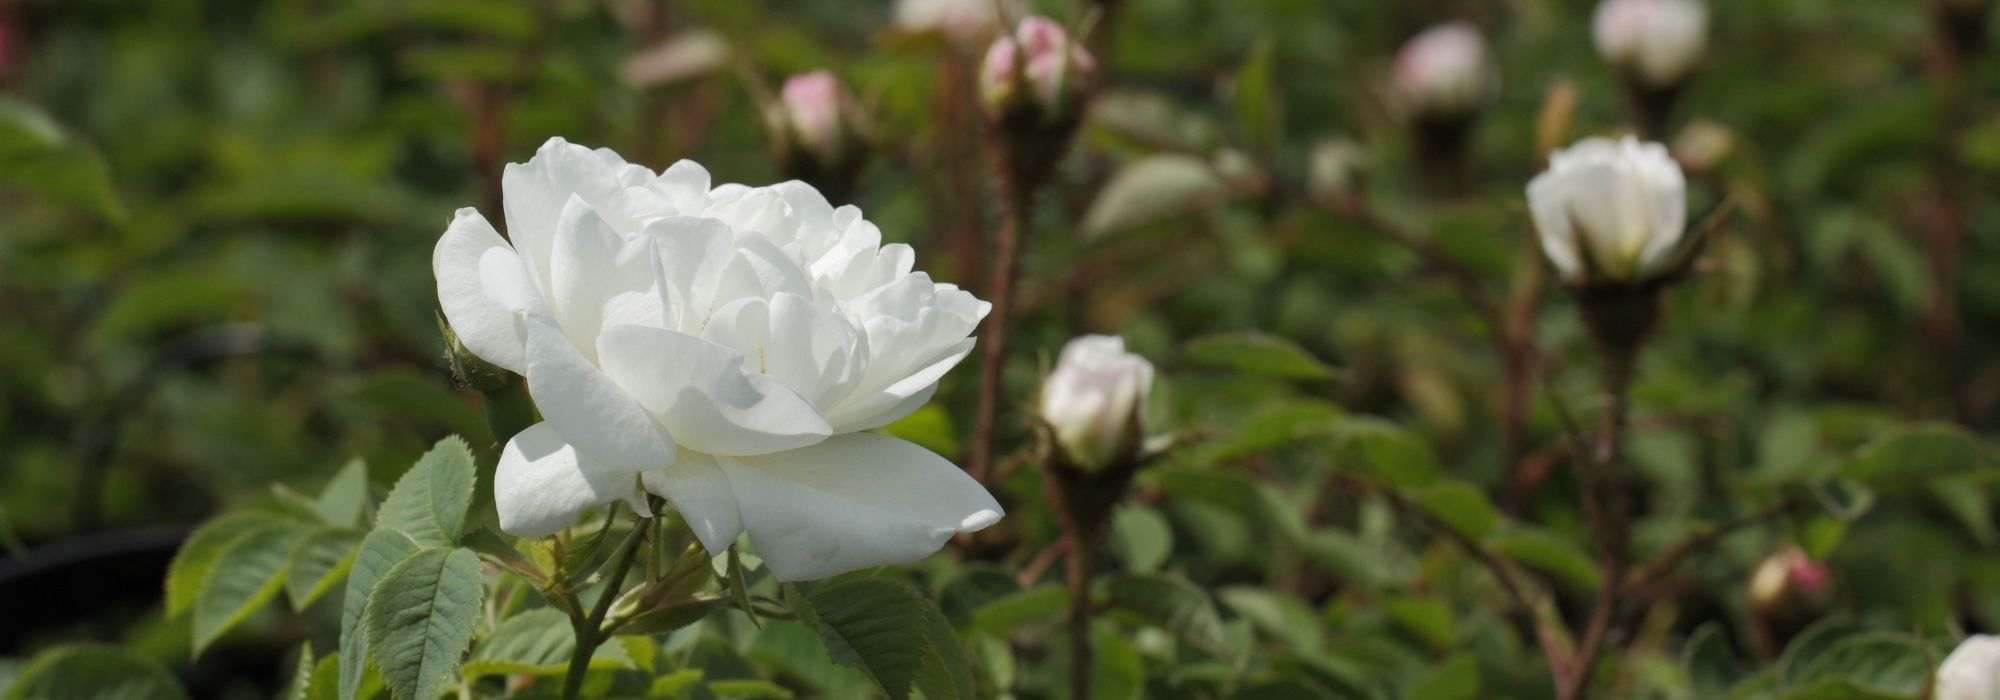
<point>196,556</point>
<point>1875,662</point>
<point>345,497</point>
<point>319,562</point>
<point>1256,100</point>
<point>889,631</point>
<point>1041,605</point>
<point>1426,619</point>
<point>41,158</point>
<point>1256,353</point>
<point>300,686</point>
<point>1152,189</point>
<point>1280,615</point>
<point>380,551</point>
<point>539,643</point>
<point>430,501</point>
<point>1914,455</point>
<point>1545,551</point>
<point>247,573</point>
<point>92,672</point>
<point>1455,679</point>
<point>1116,670</point>
<point>1141,538</point>
<point>1460,506</point>
<point>1711,665</point>
<point>1387,452</point>
<point>1170,603</point>
<point>421,616</point>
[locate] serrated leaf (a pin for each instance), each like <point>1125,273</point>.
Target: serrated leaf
<point>537,643</point>
<point>1280,615</point>
<point>1874,662</point>
<point>1460,506</point>
<point>300,686</point>
<point>1256,353</point>
<point>889,631</point>
<point>1544,551</point>
<point>380,551</point>
<point>421,616</point>
<point>92,672</point>
<point>1153,189</point>
<point>247,573</point>
<point>430,501</point>
<point>319,562</point>
<point>197,555</point>
<point>345,497</point>
<point>1170,603</point>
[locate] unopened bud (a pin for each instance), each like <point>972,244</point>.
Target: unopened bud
<point>1095,402</point>
<point>1040,70</point>
<point>1654,42</point>
<point>1790,583</point>
<point>1444,73</point>
<point>1611,213</point>
<point>817,133</point>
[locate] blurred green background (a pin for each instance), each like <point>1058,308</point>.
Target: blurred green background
<point>216,219</point>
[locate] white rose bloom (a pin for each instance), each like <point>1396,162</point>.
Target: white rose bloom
<point>1970,672</point>
<point>1094,397</point>
<point>1622,203</point>
<point>727,345</point>
<point>1658,41</point>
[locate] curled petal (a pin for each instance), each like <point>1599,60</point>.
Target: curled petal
<point>542,484</point>
<point>482,287</point>
<point>851,502</point>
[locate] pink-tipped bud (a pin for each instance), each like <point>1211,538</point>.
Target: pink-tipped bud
<point>1444,72</point>
<point>812,107</point>
<point>1790,582</point>
<point>1040,69</point>
<point>817,133</point>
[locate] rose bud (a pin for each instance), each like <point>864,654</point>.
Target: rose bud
<point>1443,79</point>
<point>816,128</point>
<point>1656,42</point>
<point>1971,671</point>
<point>1039,70</point>
<point>1790,582</point>
<point>966,23</point>
<point>1612,219</point>
<point>1094,402</point>
<point>1611,213</point>
<point>1443,72</point>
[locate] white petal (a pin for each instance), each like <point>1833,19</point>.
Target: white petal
<point>594,272</point>
<point>482,285</point>
<point>851,502</point>
<point>542,484</point>
<point>701,392</point>
<point>1549,204</point>
<point>701,493</point>
<point>587,408</point>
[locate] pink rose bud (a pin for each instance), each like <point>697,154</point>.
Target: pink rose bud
<point>1656,42</point>
<point>1444,72</point>
<point>1041,55</point>
<point>812,104</point>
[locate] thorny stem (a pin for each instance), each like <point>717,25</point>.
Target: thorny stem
<point>1603,504</point>
<point>588,630</point>
<point>1017,189</point>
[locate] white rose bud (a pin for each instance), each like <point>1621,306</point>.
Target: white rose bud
<point>1611,213</point>
<point>1657,42</point>
<point>731,348</point>
<point>968,23</point>
<point>1039,69</point>
<point>1970,672</point>
<point>1443,72</point>
<point>1094,400</point>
